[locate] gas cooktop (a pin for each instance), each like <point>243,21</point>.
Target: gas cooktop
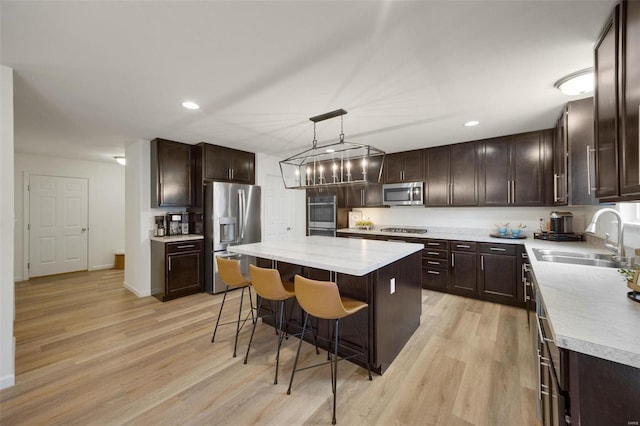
<point>405,230</point>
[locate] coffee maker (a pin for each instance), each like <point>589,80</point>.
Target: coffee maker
<point>160,227</point>
<point>561,222</point>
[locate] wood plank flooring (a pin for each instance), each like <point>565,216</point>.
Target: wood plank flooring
<point>89,352</point>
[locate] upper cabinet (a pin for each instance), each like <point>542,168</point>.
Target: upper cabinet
<point>451,175</point>
<point>516,170</point>
<point>617,105</point>
<point>226,164</point>
<point>171,174</point>
<point>406,166</point>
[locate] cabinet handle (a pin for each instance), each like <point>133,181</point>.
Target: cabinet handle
<point>482,263</point>
<point>433,272</point>
<point>513,191</point>
<point>431,262</point>
<point>433,244</point>
<point>497,249</point>
<point>589,187</point>
<point>462,246</point>
<point>362,197</point>
<point>453,260</point>
<point>187,246</point>
<point>231,173</point>
<point>508,192</point>
<point>555,188</point>
<point>169,264</point>
<point>433,253</point>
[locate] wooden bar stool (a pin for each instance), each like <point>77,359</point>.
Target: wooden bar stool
<point>269,286</point>
<point>322,299</point>
<point>231,275</point>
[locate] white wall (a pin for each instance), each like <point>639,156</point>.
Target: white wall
<point>106,205</point>
<point>7,223</point>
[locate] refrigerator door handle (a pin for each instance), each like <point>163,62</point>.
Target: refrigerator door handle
<point>241,213</point>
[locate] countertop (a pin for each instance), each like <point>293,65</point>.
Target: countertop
<point>343,255</point>
<point>177,238</point>
<point>587,306</point>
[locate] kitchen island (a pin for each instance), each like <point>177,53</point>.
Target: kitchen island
<point>386,275</point>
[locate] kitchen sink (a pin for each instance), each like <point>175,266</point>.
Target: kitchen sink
<point>579,258</point>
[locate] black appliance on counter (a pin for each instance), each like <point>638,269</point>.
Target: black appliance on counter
<point>558,236</point>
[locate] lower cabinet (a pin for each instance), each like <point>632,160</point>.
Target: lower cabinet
<point>498,279</point>
<point>463,279</point>
<point>176,268</point>
<point>435,264</point>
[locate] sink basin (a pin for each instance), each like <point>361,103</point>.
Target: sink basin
<point>577,258</point>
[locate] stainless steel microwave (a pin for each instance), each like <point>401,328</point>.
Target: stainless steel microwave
<point>403,194</point>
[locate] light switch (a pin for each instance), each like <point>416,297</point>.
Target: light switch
<point>392,286</point>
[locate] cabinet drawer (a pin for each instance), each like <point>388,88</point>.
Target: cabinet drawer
<point>435,254</point>
<point>468,246</point>
<point>435,278</point>
<point>506,249</point>
<point>436,244</point>
<point>184,246</point>
<point>435,263</point>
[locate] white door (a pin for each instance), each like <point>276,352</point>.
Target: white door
<point>280,210</point>
<point>58,218</point>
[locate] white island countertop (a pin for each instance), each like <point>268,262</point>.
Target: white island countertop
<point>343,255</point>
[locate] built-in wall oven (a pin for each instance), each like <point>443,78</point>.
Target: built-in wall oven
<point>322,215</point>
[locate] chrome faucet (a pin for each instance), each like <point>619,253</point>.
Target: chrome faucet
<point>591,229</point>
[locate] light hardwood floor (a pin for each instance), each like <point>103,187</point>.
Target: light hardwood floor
<point>90,352</point>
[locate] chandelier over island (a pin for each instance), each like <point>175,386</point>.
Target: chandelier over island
<point>338,163</point>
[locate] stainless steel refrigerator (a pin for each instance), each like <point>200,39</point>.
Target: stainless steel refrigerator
<point>231,217</point>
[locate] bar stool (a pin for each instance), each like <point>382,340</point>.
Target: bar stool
<point>231,275</point>
<point>322,299</point>
<point>270,287</point>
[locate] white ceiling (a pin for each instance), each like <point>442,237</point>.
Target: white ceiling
<point>91,77</point>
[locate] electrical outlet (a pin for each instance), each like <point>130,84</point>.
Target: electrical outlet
<point>392,286</point>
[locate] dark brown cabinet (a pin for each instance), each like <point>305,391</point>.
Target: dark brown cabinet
<point>464,260</point>
<point>560,162</point>
<point>176,268</point>
<point>498,279</point>
<point>369,195</point>
<point>451,175</point>
<point>516,170</point>
<point>406,166</point>
<point>435,264</point>
<point>171,174</point>
<point>226,164</point>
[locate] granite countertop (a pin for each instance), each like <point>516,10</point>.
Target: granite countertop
<point>587,306</point>
<point>478,235</point>
<point>343,255</point>
<point>177,238</point>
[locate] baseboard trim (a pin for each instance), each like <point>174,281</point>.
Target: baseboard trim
<point>99,267</point>
<point>17,279</point>
<point>7,381</point>
<point>135,290</point>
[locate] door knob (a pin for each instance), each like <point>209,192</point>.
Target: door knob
<point>84,229</point>
<point>288,228</point>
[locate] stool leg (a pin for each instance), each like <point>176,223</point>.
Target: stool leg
<point>219,313</point>
<point>253,330</point>
<point>295,363</point>
<point>365,339</point>
<point>334,370</point>
<point>280,337</point>
<point>235,345</point>
<point>253,307</point>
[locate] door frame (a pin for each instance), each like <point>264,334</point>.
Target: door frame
<point>26,211</point>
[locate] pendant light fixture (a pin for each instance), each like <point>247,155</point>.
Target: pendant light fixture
<point>333,164</point>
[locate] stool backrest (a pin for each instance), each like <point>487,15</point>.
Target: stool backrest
<point>267,283</point>
<point>320,299</point>
<point>230,272</point>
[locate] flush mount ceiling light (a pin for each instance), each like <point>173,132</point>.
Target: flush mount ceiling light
<point>190,105</point>
<point>121,160</point>
<point>471,123</point>
<point>577,83</point>
<point>333,164</point>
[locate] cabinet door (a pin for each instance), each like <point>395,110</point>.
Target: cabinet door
<point>437,162</point>
<point>464,174</point>
<point>463,273</point>
<point>183,273</point>
<point>216,162</point>
<point>560,153</point>
<point>354,195</point>
<point>496,172</point>
<point>413,166</point>
<point>528,158</point>
<point>606,109</point>
<point>373,195</point>
<point>435,278</point>
<point>393,167</point>
<point>173,187</point>
<point>498,278</point>
<point>630,111</point>
<point>581,159</point>
<point>241,164</point>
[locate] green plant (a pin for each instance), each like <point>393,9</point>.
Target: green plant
<point>627,273</point>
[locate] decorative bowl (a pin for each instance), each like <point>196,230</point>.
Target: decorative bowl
<point>516,232</point>
<point>502,230</point>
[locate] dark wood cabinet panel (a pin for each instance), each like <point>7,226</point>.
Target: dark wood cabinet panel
<point>498,277</point>
<point>229,165</point>
<point>406,166</point>
<point>606,108</point>
<point>630,111</point>
<point>183,275</point>
<point>495,176</point>
<point>176,269</point>
<point>528,156</point>
<point>464,174</point>
<point>366,195</point>
<point>580,140</point>
<point>463,268</point>
<point>560,161</point>
<point>171,174</point>
<point>437,166</point>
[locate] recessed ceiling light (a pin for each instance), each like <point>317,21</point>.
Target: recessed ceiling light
<point>577,83</point>
<point>471,123</point>
<point>121,160</point>
<point>190,105</point>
